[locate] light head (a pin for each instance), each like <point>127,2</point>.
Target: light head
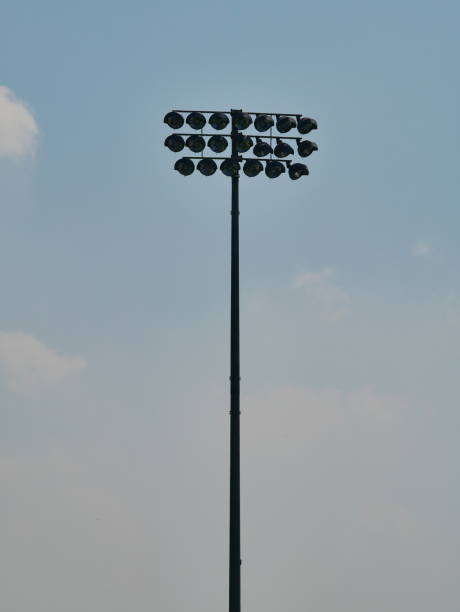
<point>184,166</point>
<point>297,170</point>
<point>207,166</point>
<point>253,167</point>
<point>217,144</point>
<point>195,143</point>
<point>306,147</point>
<point>242,120</point>
<point>284,123</point>
<point>218,121</point>
<point>274,168</point>
<point>262,148</point>
<point>196,121</point>
<point>230,167</point>
<point>243,143</point>
<point>174,120</point>
<point>282,149</point>
<point>175,143</point>
<point>306,124</point>
<point>262,123</point>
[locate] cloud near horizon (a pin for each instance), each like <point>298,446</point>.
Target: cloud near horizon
<point>28,364</point>
<point>18,128</point>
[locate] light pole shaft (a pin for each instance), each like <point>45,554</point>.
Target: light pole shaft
<point>235,550</point>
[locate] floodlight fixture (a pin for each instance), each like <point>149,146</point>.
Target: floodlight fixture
<point>282,149</point>
<point>253,167</point>
<point>174,120</point>
<point>230,167</point>
<point>274,168</point>
<point>306,147</point>
<point>243,143</point>
<point>262,123</point>
<point>195,143</point>
<point>217,143</point>
<point>284,123</point>
<point>207,166</point>
<point>196,120</point>
<point>218,121</point>
<point>175,143</point>
<point>297,170</point>
<point>306,124</point>
<point>262,148</point>
<point>184,166</point>
<point>242,120</point>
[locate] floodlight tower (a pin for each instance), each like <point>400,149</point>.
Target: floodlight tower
<point>230,166</point>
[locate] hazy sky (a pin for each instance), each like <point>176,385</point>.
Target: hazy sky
<point>114,317</point>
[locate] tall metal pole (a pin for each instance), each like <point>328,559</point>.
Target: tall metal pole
<point>235,552</point>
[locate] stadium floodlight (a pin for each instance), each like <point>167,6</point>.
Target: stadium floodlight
<point>196,120</point>
<point>195,143</point>
<point>297,170</point>
<point>230,167</point>
<point>241,120</point>
<point>253,167</point>
<point>306,124</point>
<point>306,147</point>
<point>274,168</point>
<point>174,120</point>
<point>262,123</point>
<point>262,148</point>
<point>185,166</point>
<point>282,149</point>
<point>175,143</point>
<point>217,144</point>
<point>218,121</point>
<point>241,142</point>
<point>284,123</point>
<point>207,166</point>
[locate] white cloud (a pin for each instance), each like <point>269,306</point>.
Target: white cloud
<point>421,249</point>
<point>323,292</point>
<point>28,364</point>
<point>18,128</point>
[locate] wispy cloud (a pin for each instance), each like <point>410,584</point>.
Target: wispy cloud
<point>322,289</point>
<point>28,364</point>
<point>421,249</point>
<point>18,128</point>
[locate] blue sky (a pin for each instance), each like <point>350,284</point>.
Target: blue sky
<point>114,317</point>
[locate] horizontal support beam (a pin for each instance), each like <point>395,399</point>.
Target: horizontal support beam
<point>204,112</point>
<point>198,133</point>
<point>261,159</point>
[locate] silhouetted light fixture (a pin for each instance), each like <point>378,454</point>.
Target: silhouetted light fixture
<point>175,143</point>
<point>274,168</point>
<point>297,170</point>
<point>282,149</point>
<point>242,120</point>
<point>253,167</point>
<point>174,120</point>
<point>207,166</point>
<point>262,148</point>
<point>196,121</point>
<point>217,144</point>
<point>185,166</point>
<point>285,123</point>
<point>195,143</point>
<point>218,121</point>
<point>230,167</point>
<point>306,147</point>
<point>306,124</point>
<point>262,123</point>
<point>243,143</point>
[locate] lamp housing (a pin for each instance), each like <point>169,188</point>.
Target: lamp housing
<point>262,148</point>
<point>196,120</point>
<point>306,124</point>
<point>243,143</point>
<point>184,166</point>
<point>207,166</point>
<point>242,120</point>
<point>218,121</point>
<point>174,120</point>
<point>230,167</point>
<point>262,123</point>
<point>284,123</point>
<point>274,168</point>
<point>253,167</point>
<point>195,143</point>
<point>306,147</point>
<point>297,170</point>
<point>217,143</point>
<point>282,149</point>
<point>175,143</point>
